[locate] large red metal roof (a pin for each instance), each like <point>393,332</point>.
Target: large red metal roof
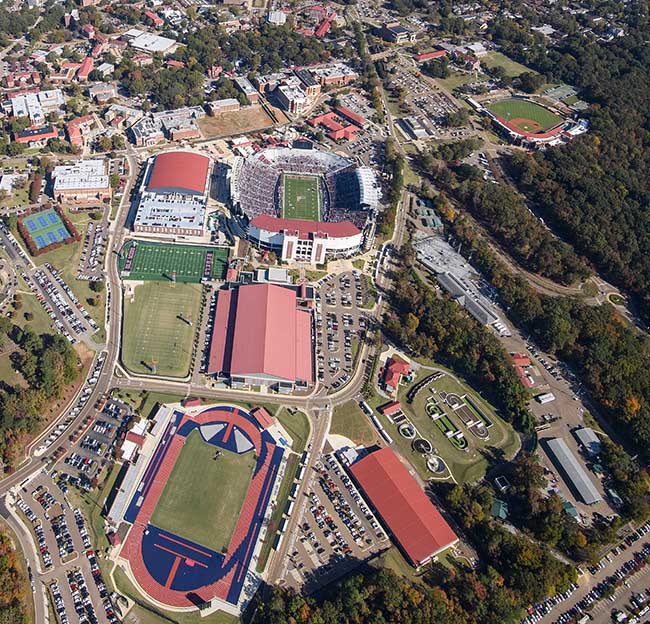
<point>258,330</point>
<point>304,228</point>
<point>179,171</point>
<point>407,511</point>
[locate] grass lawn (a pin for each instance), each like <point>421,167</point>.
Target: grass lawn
<point>297,425</point>
<point>156,328</point>
<point>156,615</point>
<point>466,465</point>
<point>496,59</point>
<point>7,372</point>
<point>458,79</point>
<point>348,420</point>
<point>203,496</point>
<point>526,115</point>
<point>301,197</point>
<point>157,261</point>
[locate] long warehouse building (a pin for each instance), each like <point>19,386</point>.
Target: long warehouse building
<point>573,472</point>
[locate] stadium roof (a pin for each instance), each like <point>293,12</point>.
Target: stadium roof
<point>304,228</point>
<point>179,172</point>
<point>260,332</point>
<point>411,517</point>
<point>574,472</point>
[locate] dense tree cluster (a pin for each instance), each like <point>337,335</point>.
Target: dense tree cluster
<point>596,189</point>
<point>441,329</point>
<point>48,364</point>
<point>611,358</point>
<point>395,165</point>
<point>13,598</point>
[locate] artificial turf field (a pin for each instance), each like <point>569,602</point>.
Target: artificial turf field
<point>152,330</point>
<point>526,115</point>
<point>204,496</point>
<point>301,197</point>
<point>157,261</point>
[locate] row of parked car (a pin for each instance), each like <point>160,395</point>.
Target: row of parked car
<point>73,297</point>
<point>38,530</point>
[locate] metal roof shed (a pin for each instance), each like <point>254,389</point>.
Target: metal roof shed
<point>573,471</point>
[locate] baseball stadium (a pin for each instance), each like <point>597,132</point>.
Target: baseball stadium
<point>524,119</point>
<point>305,204</point>
<point>198,504</point>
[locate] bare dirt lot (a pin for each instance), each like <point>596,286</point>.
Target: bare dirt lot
<point>236,122</point>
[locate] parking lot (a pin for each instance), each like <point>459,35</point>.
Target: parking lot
<point>342,323</point>
<point>91,262</point>
<point>66,564</point>
<point>602,585</point>
<point>338,529</point>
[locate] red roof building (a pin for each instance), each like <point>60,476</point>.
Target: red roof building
<point>323,28</point>
<point>416,525</point>
<point>35,135</point>
<point>520,360</point>
<point>136,438</point>
<point>391,408</point>
<point>263,418</point>
<point>336,130</point>
<point>156,20</point>
<point>305,228</point>
<point>191,402</point>
<point>85,68</point>
<point>393,372</point>
<point>351,116</point>
<point>183,172</point>
<point>261,337</point>
<point>427,56</point>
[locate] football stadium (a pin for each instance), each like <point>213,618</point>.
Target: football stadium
<point>195,506</point>
<point>304,204</point>
<point>524,120</point>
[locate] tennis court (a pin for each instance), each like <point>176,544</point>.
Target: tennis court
<point>46,228</point>
<point>145,261</point>
<point>301,197</point>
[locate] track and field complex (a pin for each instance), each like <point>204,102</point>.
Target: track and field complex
<point>525,115</point>
<point>158,327</point>
<point>141,260</point>
<point>204,493</point>
<point>301,197</point>
<point>169,566</point>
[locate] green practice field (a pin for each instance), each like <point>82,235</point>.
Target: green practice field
<point>526,115</point>
<point>203,497</point>
<point>156,328</point>
<point>301,197</point>
<point>158,261</point>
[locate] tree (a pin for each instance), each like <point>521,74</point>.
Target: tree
<point>97,286</point>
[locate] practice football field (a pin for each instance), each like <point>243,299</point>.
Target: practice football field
<point>156,328</point>
<point>526,115</point>
<point>203,497</point>
<point>141,260</point>
<point>301,197</point>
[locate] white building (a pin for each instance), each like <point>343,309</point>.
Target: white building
<point>83,182</point>
<point>37,105</point>
<point>292,98</point>
<point>148,42</point>
<point>305,241</point>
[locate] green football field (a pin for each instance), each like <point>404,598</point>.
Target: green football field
<point>526,115</point>
<point>158,261</point>
<point>204,496</point>
<point>155,328</point>
<point>301,197</point>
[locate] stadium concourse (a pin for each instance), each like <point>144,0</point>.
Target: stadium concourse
<point>289,201</point>
<point>172,569</point>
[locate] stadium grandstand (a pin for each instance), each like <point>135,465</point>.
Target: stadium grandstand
<point>261,338</point>
<point>304,219</point>
<point>173,195</point>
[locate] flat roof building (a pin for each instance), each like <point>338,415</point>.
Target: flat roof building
<point>148,42</point>
<point>84,182</point>
<point>292,98</point>
<point>589,440</point>
<point>573,471</point>
<point>245,86</point>
<point>414,522</point>
<point>261,337</point>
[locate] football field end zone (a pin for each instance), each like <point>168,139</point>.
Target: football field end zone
<point>240,580</point>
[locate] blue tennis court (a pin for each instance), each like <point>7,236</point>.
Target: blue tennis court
<point>46,228</point>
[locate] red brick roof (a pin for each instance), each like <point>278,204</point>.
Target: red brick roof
<point>410,516</point>
<point>391,408</point>
<point>263,418</point>
<point>135,438</point>
<point>179,171</point>
<point>304,228</point>
<point>427,56</point>
<point>394,370</point>
<point>350,115</point>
